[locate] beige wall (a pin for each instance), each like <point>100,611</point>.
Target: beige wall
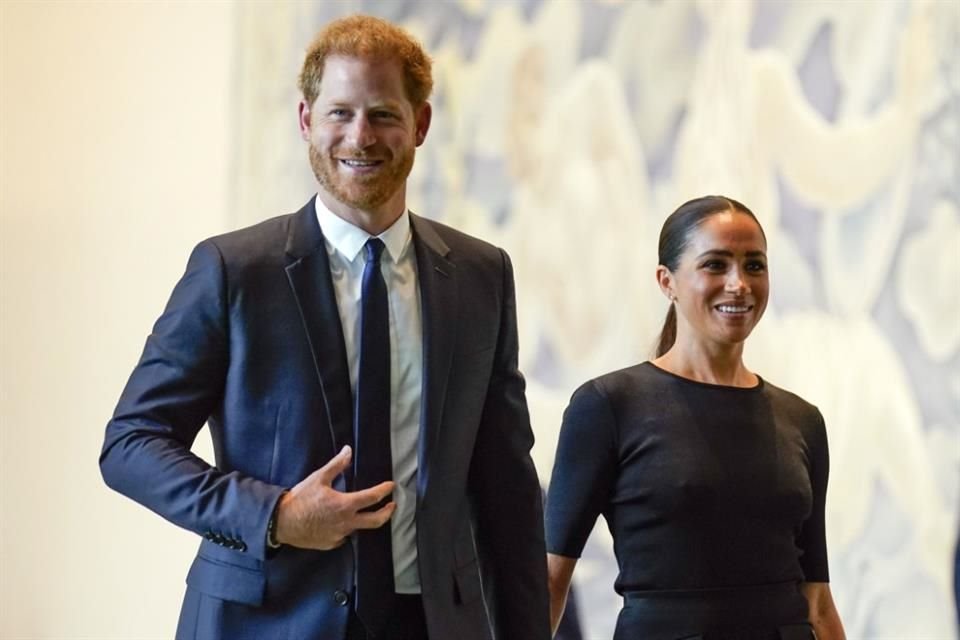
<point>116,137</point>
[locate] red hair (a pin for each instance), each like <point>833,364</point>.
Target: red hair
<point>368,37</point>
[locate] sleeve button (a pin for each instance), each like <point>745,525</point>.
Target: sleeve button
<point>341,598</point>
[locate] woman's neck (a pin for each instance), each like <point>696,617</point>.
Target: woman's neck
<point>713,364</point>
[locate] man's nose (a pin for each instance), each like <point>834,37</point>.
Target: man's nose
<point>361,133</point>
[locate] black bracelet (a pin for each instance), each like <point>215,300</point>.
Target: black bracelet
<point>272,526</point>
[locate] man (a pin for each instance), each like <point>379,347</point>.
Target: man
<point>357,367</point>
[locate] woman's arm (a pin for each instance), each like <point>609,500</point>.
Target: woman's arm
<point>823,613</point>
<point>559,574</point>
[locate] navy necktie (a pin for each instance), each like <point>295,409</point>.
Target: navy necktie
<point>372,460</point>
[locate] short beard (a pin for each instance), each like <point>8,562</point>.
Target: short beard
<point>364,194</point>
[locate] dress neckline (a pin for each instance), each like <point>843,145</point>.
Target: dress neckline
<point>708,385</point>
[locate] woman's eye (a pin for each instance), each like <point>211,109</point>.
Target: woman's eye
<point>756,266</point>
<point>714,265</point>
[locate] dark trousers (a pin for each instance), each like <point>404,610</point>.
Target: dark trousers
<point>407,622</point>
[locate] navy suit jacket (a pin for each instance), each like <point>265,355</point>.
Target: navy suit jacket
<point>251,344</point>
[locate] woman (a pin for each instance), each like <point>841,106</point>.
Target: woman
<point>711,480</point>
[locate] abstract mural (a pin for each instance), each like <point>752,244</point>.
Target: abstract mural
<point>565,131</point>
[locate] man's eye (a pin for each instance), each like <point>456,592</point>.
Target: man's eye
<point>756,266</point>
<point>338,113</point>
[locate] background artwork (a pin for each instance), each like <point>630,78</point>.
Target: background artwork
<point>567,131</point>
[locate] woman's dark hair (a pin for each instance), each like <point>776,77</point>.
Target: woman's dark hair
<point>674,238</point>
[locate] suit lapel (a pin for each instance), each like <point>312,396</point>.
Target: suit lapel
<point>309,275</point>
<point>438,296</point>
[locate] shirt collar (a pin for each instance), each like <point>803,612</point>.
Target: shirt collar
<point>348,239</point>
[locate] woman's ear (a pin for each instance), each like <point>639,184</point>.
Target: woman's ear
<point>665,282</point>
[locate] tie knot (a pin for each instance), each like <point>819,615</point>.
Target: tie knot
<point>374,249</point>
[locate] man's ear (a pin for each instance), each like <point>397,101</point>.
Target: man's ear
<point>423,116</point>
<point>665,282</point>
<point>304,111</point>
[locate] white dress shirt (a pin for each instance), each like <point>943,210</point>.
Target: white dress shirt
<point>344,244</point>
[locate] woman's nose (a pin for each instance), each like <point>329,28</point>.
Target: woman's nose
<point>736,283</point>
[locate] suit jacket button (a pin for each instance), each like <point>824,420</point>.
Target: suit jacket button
<point>341,598</point>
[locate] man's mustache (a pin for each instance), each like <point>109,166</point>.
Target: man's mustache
<point>372,153</point>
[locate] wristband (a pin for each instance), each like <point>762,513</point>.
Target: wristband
<point>272,526</point>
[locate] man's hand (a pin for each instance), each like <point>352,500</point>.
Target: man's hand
<point>314,515</point>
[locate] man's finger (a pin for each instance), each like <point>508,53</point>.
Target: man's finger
<point>373,519</point>
<point>364,498</point>
<point>336,465</point>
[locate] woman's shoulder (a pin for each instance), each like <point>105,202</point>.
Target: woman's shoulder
<point>613,399</point>
<point>792,404</point>
<point>626,377</point>
<point>630,382</point>
<point>785,396</point>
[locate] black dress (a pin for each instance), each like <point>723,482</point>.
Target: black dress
<point>714,496</point>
